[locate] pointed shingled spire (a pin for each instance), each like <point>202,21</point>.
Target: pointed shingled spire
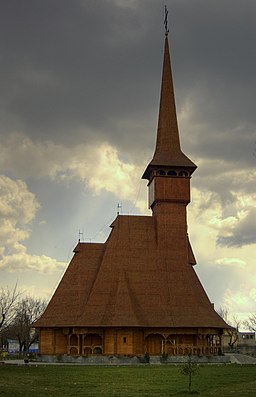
<point>168,151</point>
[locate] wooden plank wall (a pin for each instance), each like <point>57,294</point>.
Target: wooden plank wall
<point>110,341</point>
<point>47,341</point>
<point>121,341</point>
<point>138,342</point>
<point>61,342</point>
<point>124,342</point>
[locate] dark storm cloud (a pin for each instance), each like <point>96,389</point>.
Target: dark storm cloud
<point>227,181</point>
<point>217,45</point>
<point>72,65</point>
<point>217,77</point>
<point>78,70</point>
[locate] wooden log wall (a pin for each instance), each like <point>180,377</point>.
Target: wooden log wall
<point>125,341</point>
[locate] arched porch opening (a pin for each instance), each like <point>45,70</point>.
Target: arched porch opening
<point>73,345</point>
<point>73,351</point>
<point>85,344</point>
<point>92,343</point>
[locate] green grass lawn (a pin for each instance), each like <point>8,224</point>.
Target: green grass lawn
<point>159,381</point>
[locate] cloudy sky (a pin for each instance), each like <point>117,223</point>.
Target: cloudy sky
<point>79,97</point>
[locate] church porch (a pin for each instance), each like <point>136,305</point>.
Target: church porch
<point>130,341</point>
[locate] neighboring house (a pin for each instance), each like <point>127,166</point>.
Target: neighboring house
<point>14,347</point>
<point>34,348</point>
<point>246,343</point>
<point>246,339</point>
<point>243,342</point>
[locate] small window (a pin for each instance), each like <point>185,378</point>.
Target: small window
<point>161,172</point>
<point>172,173</point>
<point>124,339</point>
<point>183,173</point>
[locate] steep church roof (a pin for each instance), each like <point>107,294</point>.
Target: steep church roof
<point>127,282</point>
<point>168,151</point>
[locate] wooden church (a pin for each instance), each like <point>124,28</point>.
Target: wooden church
<point>138,293</point>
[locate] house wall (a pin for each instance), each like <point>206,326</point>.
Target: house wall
<point>14,347</point>
<point>246,339</point>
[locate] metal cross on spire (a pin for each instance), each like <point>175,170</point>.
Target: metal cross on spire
<point>119,207</point>
<point>80,234</point>
<point>166,20</point>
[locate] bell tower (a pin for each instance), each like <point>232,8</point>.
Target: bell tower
<point>170,169</point>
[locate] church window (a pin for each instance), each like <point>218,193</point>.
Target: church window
<point>183,173</point>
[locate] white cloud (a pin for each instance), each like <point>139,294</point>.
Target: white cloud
<point>253,294</point>
<point>32,159</point>
<point>102,169</point>
<point>98,167</point>
<point>23,261</point>
<point>239,302</point>
<point>18,208</point>
<point>231,262</point>
<point>36,290</point>
<point>214,211</point>
<point>231,269</point>
<point>17,203</point>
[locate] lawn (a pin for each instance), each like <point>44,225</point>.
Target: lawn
<point>125,381</point>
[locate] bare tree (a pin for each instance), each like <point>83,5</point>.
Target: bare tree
<point>251,322</point>
<point>8,301</point>
<point>223,313</point>
<point>234,323</point>
<point>27,312</point>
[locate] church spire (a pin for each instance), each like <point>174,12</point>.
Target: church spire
<point>168,153</point>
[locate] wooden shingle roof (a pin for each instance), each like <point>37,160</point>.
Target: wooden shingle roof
<point>128,282</point>
<point>168,150</point>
